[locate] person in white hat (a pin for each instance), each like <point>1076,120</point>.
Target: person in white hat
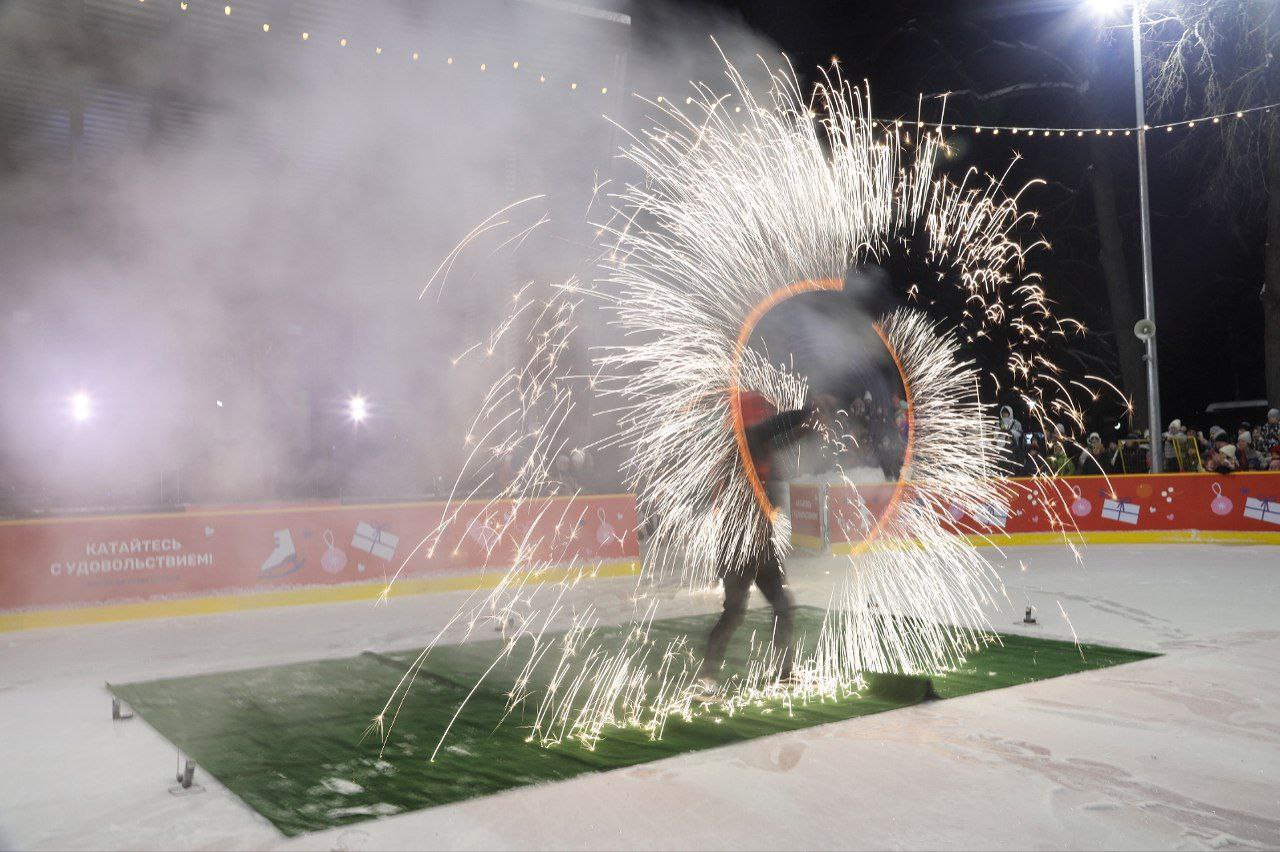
<point>1227,460</point>
<point>1186,444</point>
<point>1090,461</point>
<point>1012,430</point>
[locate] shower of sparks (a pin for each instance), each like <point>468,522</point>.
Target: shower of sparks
<point>736,204</point>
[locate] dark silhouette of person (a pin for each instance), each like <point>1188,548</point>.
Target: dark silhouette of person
<point>766,433</point>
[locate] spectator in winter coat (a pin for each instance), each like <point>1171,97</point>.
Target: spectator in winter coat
<point>1181,453</point>
<point>1012,430</point>
<point>1269,432</point>
<point>1224,460</point>
<point>1091,461</point>
<point>1186,453</point>
<point>1246,458</point>
<point>1170,455</point>
<point>1060,463</point>
<point>1274,464</point>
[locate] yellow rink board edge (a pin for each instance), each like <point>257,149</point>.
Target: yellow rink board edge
<point>1109,537</point>
<point>368,592</point>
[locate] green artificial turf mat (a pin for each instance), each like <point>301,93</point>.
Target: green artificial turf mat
<point>288,739</point>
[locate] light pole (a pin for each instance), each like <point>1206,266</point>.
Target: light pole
<point>1148,287</point>
<point>1146,328</point>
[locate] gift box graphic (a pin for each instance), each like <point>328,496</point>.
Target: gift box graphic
<point>1262,509</point>
<point>1122,511</point>
<point>992,515</point>
<point>375,541</point>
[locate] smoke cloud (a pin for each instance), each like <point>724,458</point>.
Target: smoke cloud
<point>219,232</point>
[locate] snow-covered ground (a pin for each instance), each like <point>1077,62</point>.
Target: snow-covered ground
<point>1181,751</point>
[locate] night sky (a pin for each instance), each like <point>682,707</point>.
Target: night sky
<point>1207,257</point>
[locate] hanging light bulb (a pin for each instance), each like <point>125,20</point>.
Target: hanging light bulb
<point>306,36</point>
<point>81,407</point>
<point>266,28</point>
<point>357,409</point>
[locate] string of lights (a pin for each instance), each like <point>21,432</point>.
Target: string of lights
<point>1015,130</point>
<point>902,125</point>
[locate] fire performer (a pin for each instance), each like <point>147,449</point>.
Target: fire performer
<point>766,432</point>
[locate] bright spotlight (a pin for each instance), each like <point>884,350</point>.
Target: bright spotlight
<point>80,407</point>
<point>357,409</point>
<point>1106,8</point>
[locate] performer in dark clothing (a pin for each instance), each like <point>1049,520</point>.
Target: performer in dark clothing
<point>765,436</point>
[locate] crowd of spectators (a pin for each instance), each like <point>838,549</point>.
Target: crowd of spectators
<point>875,432</point>
<point>1184,449</point>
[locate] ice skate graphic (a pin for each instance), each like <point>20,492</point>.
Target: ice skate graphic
<point>284,560</point>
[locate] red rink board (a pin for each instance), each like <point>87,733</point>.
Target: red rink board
<point>1241,502</point>
<point>94,560</point>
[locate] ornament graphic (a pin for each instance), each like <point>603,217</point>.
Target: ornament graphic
<point>605,533</point>
<point>1221,504</point>
<point>1080,507</point>
<point>334,559</point>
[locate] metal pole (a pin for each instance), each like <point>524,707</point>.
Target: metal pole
<point>1148,288</point>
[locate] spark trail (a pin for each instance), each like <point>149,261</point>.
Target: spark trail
<point>735,206</point>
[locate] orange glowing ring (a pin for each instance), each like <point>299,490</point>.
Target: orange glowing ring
<point>735,397</point>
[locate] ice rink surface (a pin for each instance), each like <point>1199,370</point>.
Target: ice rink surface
<point>1176,752</point>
